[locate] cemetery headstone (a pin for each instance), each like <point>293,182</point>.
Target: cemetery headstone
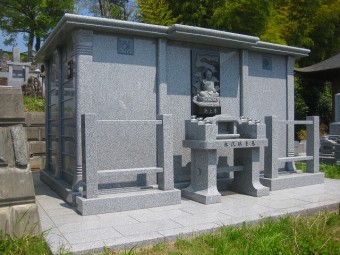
<point>18,211</point>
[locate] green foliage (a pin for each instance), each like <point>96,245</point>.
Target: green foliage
<point>331,171</point>
<point>324,105</point>
<point>156,12</point>
<point>35,18</point>
<point>243,16</point>
<point>313,97</point>
<point>318,234</point>
<point>195,13</point>
<point>33,104</point>
<point>117,9</point>
<point>324,31</point>
<point>301,108</point>
<point>26,245</point>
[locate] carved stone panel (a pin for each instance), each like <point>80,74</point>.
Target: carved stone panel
<point>205,83</point>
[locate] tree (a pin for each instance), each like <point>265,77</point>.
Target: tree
<point>155,12</point>
<point>195,13</point>
<point>312,24</point>
<point>325,32</point>
<point>35,18</point>
<point>243,16</point>
<point>117,9</point>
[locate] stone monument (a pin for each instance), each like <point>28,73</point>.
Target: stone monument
<point>100,142</point>
<point>330,144</point>
<point>18,71</point>
<point>18,211</point>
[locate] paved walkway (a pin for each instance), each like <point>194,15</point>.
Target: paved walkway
<point>65,228</point>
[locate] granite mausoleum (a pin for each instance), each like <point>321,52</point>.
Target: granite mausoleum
<point>138,115</point>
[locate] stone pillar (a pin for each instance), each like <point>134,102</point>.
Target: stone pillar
<point>203,185</point>
<point>90,165</point>
<point>290,106</point>
<point>165,152</point>
<point>244,80</point>
<point>334,128</point>
<point>247,181</point>
<point>83,47</point>
<point>313,141</point>
<point>161,76</point>
<point>337,108</point>
<point>203,188</point>
<point>271,152</point>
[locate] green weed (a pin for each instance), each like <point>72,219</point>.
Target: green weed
<point>318,234</point>
<point>331,171</point>
<point>25,245</point>
<point>32,104</point>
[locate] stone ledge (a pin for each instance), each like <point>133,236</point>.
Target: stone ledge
<point>34,119</point>
<point>127,201</point>
<point>35,133</point>
<point>293,180</point>
<point>37,147</point>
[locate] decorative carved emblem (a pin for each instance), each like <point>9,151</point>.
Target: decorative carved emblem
<point>125,46</point>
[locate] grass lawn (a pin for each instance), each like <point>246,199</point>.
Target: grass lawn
<point>316,234</point>
<point>331,171</point>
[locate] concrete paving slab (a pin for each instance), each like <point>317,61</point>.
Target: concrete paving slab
<point>91,235</point>
<point>217,218</point>
<point>67,230</point>
<point>146,227</point>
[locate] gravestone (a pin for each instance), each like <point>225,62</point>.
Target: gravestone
<point>334,128</point>
<point>16,54</point>
<point>18,211</point>
<point>18,71</point>
<point>330,141</point>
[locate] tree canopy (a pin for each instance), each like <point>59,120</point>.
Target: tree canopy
<point>34,18</point>
<point>116,9</point>
<point>313,24</point>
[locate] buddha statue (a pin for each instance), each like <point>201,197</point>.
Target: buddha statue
<point>207,96</point>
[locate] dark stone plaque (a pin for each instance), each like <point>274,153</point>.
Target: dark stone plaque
<point>125,46</point>
<point>205,83</point>
<point>207,111</point>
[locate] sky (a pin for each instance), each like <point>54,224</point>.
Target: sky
<point>83,10</point>
<point>20,43</point>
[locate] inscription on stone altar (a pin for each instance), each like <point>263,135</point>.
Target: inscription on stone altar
<point>241,144</point>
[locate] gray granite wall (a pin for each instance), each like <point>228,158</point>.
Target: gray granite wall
<point>153,77</point>
<point>178,94</point>
<point>265,93</point>
<point>126,85</point>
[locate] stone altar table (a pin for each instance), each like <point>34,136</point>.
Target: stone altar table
<point>204,137</point>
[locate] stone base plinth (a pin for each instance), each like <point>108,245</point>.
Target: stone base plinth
<point>20,220</point>
<point>142,199</point>
<point>202,196</point>
<point>293,180</point>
